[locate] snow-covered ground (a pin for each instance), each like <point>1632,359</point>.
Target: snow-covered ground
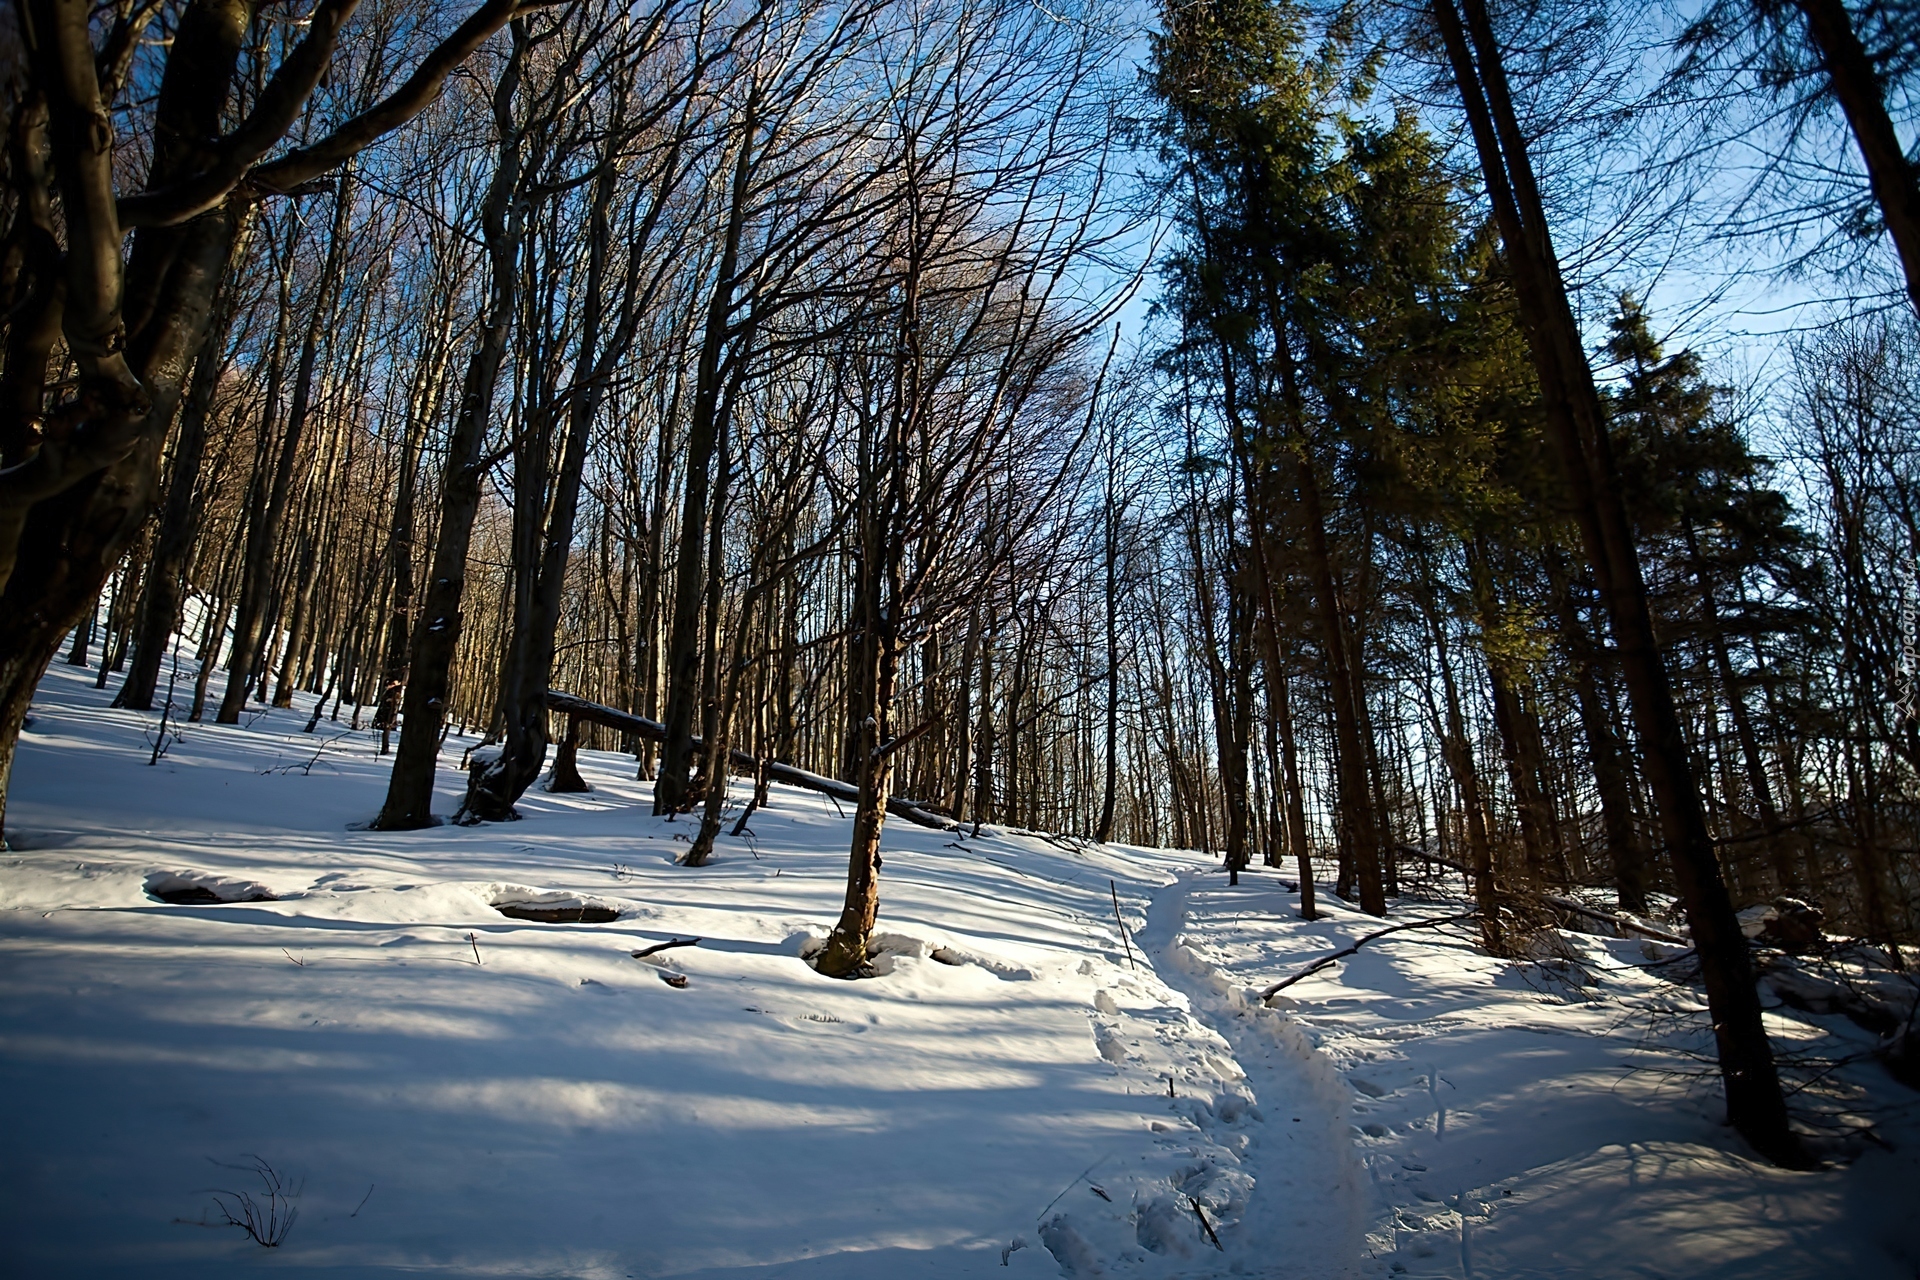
<point>1020,1091</point>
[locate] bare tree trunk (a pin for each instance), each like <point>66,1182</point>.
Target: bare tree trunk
<point>409,802</point>
<point>1754,1100</point>
<point>1356,794</point>
<point>400,537</point>
<point>1587,659</point>
<point>263,530</point>
<point>1460,764</point>
<point>1862,97</point>
<point>960,768</point>
<point>493,789</point>
<point>179,519</point>
<point>1756,770</point>
<point>1507,713</point>
<point>683,652</point>
<point>845,955</point>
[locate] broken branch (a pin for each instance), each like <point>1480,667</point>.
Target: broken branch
<point>644,952</point>
<point>1327,960</point>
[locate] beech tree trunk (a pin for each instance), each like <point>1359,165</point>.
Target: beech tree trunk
<point>544,528</point>
<point>409,802</point>
<point>179,519</point>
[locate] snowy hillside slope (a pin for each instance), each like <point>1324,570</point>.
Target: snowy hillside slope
<point>1020,1092</point>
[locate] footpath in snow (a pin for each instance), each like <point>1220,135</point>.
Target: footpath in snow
<point>1540,1119</point>
<point>206,962</point>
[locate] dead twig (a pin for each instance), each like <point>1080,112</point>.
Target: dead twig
<point>1119,920</point>
<point>266,1221</point>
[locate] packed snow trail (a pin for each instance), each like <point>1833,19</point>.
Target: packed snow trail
<point>1530,1119</point>
<point>1306,1216</point>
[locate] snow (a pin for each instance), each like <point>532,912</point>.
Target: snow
<point>1019,1091</point>
<point>1546,1119</point>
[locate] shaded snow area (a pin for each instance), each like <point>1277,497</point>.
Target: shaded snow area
<point>441,1045</point>
<point>1552,1118</point>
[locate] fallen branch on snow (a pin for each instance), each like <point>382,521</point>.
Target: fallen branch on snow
<point>1328,960</point>
<point>1618,919</point>
<point>644,952</point>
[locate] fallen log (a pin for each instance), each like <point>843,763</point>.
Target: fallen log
<point>1620,920</point>
<point>578,708</point>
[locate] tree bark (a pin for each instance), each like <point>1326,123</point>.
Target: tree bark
<point>683,643</point>
<point>1460,764</point>
<point>1755,1103</point>
<point>1356,794</point>
<point>1588,661</point>
<point>493,788</point>
<point>179,519</point>
<point>1863,99</point>
<point>263,526</point>
<point>409,802</point>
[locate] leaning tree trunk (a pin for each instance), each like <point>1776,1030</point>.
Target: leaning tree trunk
<point>1861,93</point>
<point>58,549</point>
<point>1576,420</point>
<point>68,547</point>
<point>1756,769</point>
